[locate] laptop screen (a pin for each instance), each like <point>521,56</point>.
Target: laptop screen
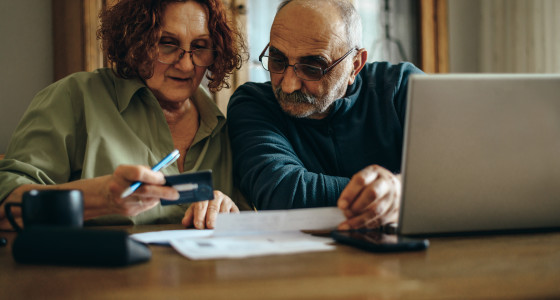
<point>481,152</point>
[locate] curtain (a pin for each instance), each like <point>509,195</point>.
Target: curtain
<point>520,36</point>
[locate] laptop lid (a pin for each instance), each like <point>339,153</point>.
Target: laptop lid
<point>481,153</point>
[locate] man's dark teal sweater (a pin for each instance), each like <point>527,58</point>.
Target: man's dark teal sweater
<point>282,162</point>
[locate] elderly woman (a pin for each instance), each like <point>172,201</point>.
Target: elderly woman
<point>100,131</point>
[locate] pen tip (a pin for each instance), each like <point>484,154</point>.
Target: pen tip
<point>126,193</point>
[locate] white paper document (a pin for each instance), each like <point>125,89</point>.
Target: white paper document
<point>241,246</point>
<point>253,234</point>
<point>279,220</point>
<point>165,236</point>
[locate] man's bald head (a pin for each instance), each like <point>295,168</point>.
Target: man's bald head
<point>346,11</point>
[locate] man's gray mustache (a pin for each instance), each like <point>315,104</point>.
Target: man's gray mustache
<point>295,97</point>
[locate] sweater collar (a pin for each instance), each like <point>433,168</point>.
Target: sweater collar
<point>344,104</point>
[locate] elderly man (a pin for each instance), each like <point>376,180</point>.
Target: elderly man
<point>327,129</point>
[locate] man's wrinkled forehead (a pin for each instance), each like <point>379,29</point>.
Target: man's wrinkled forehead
<point>302,24</point>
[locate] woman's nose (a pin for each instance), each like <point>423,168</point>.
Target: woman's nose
<point>185,62</point>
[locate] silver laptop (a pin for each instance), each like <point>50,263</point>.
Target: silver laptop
<point>481,153</point>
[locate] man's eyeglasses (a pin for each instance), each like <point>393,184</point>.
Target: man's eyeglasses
<point>303,71</point>
<point>171,54</point>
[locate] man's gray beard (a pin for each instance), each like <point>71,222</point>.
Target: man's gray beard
<point>319,105</point>
<point>295,97</point>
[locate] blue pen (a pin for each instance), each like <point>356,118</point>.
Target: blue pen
<point>169,159</point>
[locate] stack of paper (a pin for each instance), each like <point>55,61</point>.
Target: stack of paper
<point>253,234</point>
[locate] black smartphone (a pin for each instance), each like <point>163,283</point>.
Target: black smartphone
<point>377,241</point>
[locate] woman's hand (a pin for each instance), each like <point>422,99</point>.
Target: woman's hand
<point>203,214</point>
<point>102,195</point>
<point>144,198</point>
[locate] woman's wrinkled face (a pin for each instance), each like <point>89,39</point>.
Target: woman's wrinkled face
<point>184,25</point>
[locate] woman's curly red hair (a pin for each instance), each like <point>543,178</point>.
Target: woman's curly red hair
<point>130,31</point>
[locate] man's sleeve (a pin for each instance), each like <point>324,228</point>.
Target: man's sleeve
<point>266,167</point>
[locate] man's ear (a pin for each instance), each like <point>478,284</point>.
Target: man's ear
<point>357,65</point>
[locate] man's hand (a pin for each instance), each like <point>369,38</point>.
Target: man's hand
<point>203,214</point>
<point>371,199</point>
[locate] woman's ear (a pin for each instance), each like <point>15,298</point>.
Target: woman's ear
<point>357,65</point>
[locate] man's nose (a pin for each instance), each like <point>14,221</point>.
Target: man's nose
<point>290,81</point>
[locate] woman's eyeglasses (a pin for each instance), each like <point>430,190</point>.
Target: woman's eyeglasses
<point>171,54</point>
<point>303,71</point>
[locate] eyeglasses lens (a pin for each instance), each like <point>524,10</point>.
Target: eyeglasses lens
<point>171,54</point>
<point>309,72</point>
<point>303,71</point>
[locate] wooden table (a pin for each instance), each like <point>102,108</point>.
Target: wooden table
<point>520,266</point>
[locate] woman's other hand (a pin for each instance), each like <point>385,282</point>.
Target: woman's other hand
<point>203,214</point>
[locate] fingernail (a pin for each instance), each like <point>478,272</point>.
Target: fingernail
<point>344,227</point>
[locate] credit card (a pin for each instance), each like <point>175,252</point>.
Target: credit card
<point>192,187</point>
